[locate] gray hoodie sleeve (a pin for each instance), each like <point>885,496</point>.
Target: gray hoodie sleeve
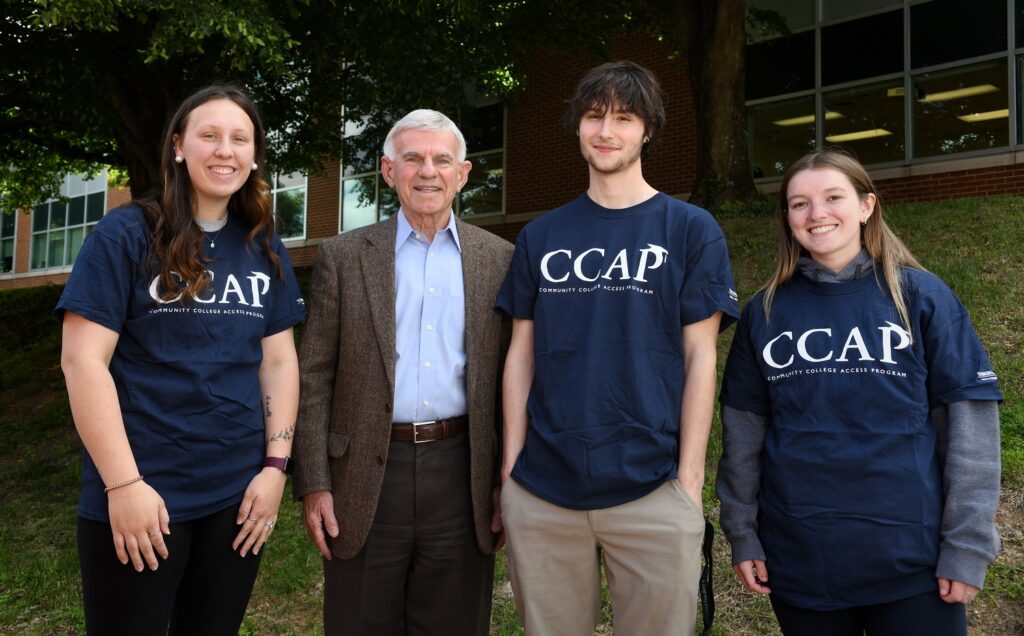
<point>739,478</point>
<point>968,438</point>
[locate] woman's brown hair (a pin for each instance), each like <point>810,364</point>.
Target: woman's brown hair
<point>175,239</point>
<point>882,245</point>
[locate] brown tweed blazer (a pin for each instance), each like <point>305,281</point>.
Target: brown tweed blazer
<point>347,362</point>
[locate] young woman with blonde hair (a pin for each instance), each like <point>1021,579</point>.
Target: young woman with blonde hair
<point>860,469</point>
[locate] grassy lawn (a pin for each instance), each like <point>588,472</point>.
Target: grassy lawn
<point>972,244</point>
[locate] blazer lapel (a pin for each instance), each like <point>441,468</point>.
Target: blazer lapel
<point>471,266</point>
<point>378,269</point>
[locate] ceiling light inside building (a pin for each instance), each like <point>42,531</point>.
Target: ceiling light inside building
<point>807,119</point>
<point>959,93</point>
<point>992,114</point>
<point>855,136</point>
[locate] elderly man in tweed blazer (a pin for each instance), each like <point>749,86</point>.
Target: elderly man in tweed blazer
<point>397,439</point>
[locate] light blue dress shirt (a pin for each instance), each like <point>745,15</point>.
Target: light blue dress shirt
<point>430,369</point>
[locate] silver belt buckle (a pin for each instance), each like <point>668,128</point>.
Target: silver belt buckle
<point>416,436</point>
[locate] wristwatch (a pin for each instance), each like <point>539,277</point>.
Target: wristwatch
<point>285,464</point>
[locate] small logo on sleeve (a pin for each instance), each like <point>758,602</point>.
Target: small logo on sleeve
<point>987,376</point>
<point>733,296</point>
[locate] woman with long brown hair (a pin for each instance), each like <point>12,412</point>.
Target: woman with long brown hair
<point>860,468</point>
<point>181,370</point>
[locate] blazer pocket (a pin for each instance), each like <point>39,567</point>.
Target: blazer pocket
<point>337,444</point>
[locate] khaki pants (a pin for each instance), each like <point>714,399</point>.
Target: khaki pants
<point>652,552</point>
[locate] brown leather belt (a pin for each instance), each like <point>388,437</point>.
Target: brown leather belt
<point>419,432</point>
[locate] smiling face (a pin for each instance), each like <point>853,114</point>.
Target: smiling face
<point>425,172</point>
<point>824,212</point>
<point>611,141</point>
<point>218,148</point>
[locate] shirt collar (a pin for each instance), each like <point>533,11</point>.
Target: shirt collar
<point>405,231</point>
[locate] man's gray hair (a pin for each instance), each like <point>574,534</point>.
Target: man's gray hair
<point>424,119</point>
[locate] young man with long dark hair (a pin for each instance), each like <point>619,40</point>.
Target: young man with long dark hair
<point>617,299</point>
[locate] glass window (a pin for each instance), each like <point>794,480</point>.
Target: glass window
<point>948,30</point>
<point>58,215</point>
<point>797,14</point>
<point>358,202</point>
<point>76,211</point>
<point>780,133</point>
<point>56,253</point>
<point>482,128</point>
<point>387,199</point>
<point>75,185</point>
<point>365,198</point>
<point>961,110</point>
<point>863,48</point>
<point>40,217</point>
<point>483,191</point>
<point>95,205</point>
<point>8,222</point>
<point>834,10</point>
<point>779,66</point>
<point>357,161</point>
<point>1018,19</point>
<point>60,227</point>
<point>867,121</point>
<point>38,252</point>
<point>76,236</point>
<point>289,198</point>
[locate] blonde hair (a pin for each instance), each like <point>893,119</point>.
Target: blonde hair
<point>882,245</point>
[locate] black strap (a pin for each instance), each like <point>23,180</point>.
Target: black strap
<point>706,589</point>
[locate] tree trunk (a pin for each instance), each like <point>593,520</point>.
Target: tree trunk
<point>139,108</point>
<point>712,32</point>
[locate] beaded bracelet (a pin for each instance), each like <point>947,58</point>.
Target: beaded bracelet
<point>123,484</point>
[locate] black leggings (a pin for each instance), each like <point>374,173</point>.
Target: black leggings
<point>201,588</point>
<point>924,614</point>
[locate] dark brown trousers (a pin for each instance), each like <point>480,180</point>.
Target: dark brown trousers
<point>420,572</point>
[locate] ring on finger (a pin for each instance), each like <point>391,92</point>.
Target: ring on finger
<point>270,524</point>
<point>253,519</point>
<point>154,533</point>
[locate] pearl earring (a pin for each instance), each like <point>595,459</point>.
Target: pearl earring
<point>178,158</point>
<point>255,165</point>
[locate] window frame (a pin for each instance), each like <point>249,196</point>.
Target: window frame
<point>1013,56</point>
<point>274,191</point>
<point>96,184</point>
<point>13,238</point>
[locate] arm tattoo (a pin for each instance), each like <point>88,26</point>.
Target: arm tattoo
<point>268,407</point>
<point>282,435</point>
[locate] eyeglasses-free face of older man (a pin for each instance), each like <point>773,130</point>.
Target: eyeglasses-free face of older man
<point>426,175</point>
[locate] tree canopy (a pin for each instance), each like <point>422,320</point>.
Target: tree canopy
<point>93,82</point>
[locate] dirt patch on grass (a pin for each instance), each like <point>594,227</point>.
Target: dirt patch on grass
<point>999,609</point>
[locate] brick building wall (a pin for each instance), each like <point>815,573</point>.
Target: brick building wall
<point>116,197</point>
<point>322,206</point>
<point>954,185</point>
<point>544,168</point>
